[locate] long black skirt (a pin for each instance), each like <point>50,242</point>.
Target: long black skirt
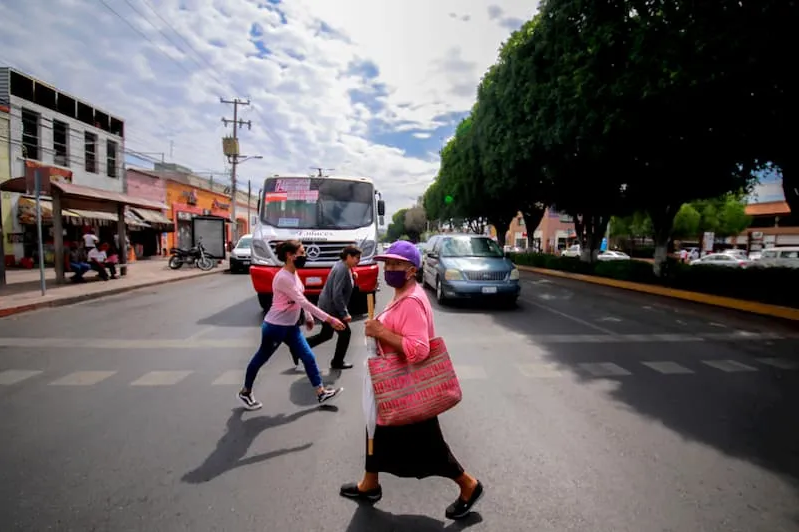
<point>412,451</point>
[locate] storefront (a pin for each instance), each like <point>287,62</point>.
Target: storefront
<point>184,203</point>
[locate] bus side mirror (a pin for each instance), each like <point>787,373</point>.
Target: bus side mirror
<point>381,208</point>
<point>258,208</point>
<point>381,220</point>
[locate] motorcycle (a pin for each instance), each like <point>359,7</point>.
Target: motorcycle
<point>192,256</point>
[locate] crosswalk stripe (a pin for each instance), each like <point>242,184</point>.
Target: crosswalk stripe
<point>544,370</point>
<point>728,366</point>
<point>230,378</point>
<point>161,378</point>
<point>782,363</point>
<point>604,369</point>
<point>470,372</point>
<point>82,378</point>
<point>13,376</point>
<point>668,368</point>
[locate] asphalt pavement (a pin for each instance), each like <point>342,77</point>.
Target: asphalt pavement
<point>586,409</point>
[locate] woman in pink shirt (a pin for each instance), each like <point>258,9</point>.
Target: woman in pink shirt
<point>281,325</point>
<point>417,450</point>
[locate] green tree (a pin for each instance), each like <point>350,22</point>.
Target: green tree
<point>397,226</point>
<point>415,222</point>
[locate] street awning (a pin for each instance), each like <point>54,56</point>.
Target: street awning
<point>153,217</point>
<point>26,214</point>
<point>84,198</point>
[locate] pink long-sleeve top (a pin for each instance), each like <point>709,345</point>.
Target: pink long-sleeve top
<point>288,298</point>
<point>412,318</point>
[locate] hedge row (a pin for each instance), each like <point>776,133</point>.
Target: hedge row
<point>777,286</point>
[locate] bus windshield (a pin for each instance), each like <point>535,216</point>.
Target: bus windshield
<point>317,203</point>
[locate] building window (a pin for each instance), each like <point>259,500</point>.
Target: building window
<point>111,158</point>
<point>60,143</point>
<point>90,155</point>
<point>30,134</point>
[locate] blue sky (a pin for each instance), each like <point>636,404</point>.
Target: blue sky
<point>364,87</point>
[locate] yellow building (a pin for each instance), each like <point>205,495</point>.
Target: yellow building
<point>6,220</point>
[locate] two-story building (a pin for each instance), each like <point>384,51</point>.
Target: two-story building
<point>64,139</point>
<point>5,197</point>
<point>555,231</point>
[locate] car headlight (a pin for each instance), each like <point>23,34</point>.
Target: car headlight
<point>514,274</point>
<point>453,275</point>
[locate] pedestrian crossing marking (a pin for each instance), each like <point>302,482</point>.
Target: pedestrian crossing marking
<point>13,376</point>
<point>668,368</point>
<point>161,378</point>
<point>604,369</point>
<point>470,372</point>
<point>544,370</point>
<point>230,378</point>
<point>728,366</point>
<point>82,378</point>
<point>781,363</point>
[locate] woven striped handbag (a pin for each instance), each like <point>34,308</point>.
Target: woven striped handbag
<point>410,393</point>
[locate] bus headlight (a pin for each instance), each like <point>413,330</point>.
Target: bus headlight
<point>367,248</point>
<point>261,255</point>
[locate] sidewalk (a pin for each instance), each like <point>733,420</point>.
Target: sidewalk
<point>22,292</point>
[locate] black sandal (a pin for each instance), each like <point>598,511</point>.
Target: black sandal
<point>460,508</point>
<point>351,491</point>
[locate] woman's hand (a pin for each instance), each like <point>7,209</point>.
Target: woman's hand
<point>374,328</point>
<point>336,324</point>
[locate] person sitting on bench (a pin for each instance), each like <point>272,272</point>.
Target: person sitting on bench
<point>77,263</point>
<point>98,259</point>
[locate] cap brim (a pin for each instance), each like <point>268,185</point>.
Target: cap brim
<point>391,256</point>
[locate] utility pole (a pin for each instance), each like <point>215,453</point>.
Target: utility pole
<point>231,148</point>
<point>320,170</point>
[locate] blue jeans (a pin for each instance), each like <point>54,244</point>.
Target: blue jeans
<point>79,268</point>
<point>271,338</point>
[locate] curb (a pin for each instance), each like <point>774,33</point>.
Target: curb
<point>11,311</point>
<point>742,305</point>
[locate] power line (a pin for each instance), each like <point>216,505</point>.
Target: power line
<point>233,153</point>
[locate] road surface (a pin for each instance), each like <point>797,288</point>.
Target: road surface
<point>586,409</point>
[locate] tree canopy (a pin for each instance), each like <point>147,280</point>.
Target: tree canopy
<point>607,109</point>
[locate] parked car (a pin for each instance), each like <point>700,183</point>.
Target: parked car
<point>782,257</point>
<point>722,259</point>
<point>241,255</point>
<point>470,267</point>
<point>612,255</point>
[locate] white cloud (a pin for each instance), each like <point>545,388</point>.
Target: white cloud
<point>430,57</point>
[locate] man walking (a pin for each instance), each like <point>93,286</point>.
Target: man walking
<point>334,299</point>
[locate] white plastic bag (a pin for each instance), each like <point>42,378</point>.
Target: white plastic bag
<point>368,398</point>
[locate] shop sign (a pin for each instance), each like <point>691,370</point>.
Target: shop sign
<point>221,206</point>
<point>190,196</point>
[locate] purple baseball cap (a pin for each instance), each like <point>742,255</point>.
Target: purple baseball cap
<point>402,250</point>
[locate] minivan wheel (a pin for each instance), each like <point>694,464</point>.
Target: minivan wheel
<point>440,292</point>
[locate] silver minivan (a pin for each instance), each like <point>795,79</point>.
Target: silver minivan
<point>781,257</point>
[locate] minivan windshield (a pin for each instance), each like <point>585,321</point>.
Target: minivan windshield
<point>471,246</point>
<point>244,242</point>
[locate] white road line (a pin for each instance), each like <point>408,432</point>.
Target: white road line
<point>465,372</point>
<point>161,378</point>
<point>230,378</point>
<point>604,369</point>
<point>540,371</point>
<point>782,363</point>
<point>82,378</point>
<point>13,376</point>
<point>729,366</point>
<point>575,319</point>
<point>668,368</point>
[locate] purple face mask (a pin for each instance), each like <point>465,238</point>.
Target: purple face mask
<point>395,278</point>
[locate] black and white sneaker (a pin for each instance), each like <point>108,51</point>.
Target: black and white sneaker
<point>249,402</point>
<point>328,394</point>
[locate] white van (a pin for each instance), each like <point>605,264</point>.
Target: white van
<point>781,257</point>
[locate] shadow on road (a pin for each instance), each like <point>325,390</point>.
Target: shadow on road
<point>233,445</point>
<point>371,519</point>
<point>246,313</point>
<point>748,415</point>
<point>301,393</point>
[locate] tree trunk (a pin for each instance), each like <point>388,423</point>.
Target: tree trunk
<point>534,216</point>
<point>595,226</point>
<point>662,225</point>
